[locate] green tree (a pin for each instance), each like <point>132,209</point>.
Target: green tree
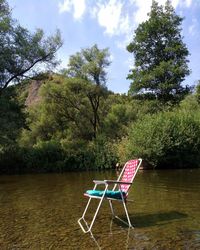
<point>64,113</point>
<point>160,56</point>
<point>69,109</point>
<point>90,65</point>
<point>22,51</point>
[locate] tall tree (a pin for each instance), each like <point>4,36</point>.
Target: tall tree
<point>22,51</point>
<point>90,65</point>
<point>160,56</point>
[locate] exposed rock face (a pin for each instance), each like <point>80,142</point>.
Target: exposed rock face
<point>33,93</point>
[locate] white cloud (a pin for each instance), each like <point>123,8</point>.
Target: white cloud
<point>121,17</point>
<point>116,16</point>
<point>113,15</point>
<point>78,7</point>
<point>65,6</point>
<point>109,15</point>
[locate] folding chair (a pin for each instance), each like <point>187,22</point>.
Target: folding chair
<point>118,193</point>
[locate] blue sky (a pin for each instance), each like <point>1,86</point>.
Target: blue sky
<point>109,24</point>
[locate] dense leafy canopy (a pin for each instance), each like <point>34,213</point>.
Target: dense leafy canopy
<point>160,56</point>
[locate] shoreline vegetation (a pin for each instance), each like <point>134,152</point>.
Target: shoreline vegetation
<point>70,121</point>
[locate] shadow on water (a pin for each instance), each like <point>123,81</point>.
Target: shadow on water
<point>149,220</point>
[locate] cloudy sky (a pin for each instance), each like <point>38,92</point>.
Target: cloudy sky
<point>109,24</point>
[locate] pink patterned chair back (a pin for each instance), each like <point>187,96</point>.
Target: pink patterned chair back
<point>129,172</point>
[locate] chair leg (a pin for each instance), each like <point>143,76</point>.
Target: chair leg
<point>111,207</point>
<point>93,220</point>
<point>83,217</point>
<point>127,215</point>
<point>128,222</point>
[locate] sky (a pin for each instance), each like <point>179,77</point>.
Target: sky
<point>109,24</point>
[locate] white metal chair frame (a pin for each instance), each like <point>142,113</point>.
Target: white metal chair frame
<point>123,199</point>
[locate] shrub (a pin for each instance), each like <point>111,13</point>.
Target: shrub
<point>104,153</point>
<point>168,139</point>
<point>97,154</point>
<point>11,161</point>
<point>44,157</point>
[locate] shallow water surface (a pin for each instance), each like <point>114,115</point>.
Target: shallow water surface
<point>41,212</point>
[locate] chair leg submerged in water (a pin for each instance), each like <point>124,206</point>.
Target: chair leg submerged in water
<point>118,193</point>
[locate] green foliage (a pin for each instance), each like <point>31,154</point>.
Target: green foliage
<point>44,157</point>
<point>53,156</point>
<point>190,104</point>
<point>11,120</point>
<point>198,92</point>
<point>126,110</point>
<point>168,139</point>
<point>11,160</point>
<point>70,106</point>
<point>160,56</point>
<point>65,116</point>
<point>104,153</point>
<point>22,51</point>
<point>90,64</point>
<point>115,124</point>
<point>77,123</point>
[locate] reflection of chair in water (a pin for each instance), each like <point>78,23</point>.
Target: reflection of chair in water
<point>118,193</point>
<point>114,235</point>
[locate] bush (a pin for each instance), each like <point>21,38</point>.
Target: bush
<point>44,157</point>
<point>11,161</point>
<point>104,153</point>
<point>168,139</point>
<point>98,154</point>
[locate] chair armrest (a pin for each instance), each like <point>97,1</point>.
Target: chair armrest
<point>111,182</point>
<point>99,182</point>
<point>117,182</point>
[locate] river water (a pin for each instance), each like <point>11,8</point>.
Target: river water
<point>41,212</point>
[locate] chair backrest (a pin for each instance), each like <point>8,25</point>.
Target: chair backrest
<point>128,173</point>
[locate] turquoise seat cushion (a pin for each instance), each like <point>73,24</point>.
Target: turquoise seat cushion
<point>109,193</point>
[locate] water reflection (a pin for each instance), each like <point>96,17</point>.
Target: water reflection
<point>121,232</point>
